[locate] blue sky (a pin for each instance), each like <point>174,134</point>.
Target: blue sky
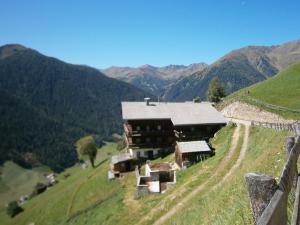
<point>136,32</point>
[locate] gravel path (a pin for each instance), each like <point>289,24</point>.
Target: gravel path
<point>243,111</point>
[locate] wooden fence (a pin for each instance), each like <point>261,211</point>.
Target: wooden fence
<point>276,126</point>
<point>269,200</point>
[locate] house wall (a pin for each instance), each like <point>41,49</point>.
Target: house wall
<point>149,153</point>
<point>178,156</point>
<point>125,166</point>
<point>198,132</point>
<point>145,137</point>
<point>193,157</point>
<point>149,133</point>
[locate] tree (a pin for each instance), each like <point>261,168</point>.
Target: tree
<point>13,209</point>
<point>86,146</point>
<point>215,90</point>
<point>197,99</point>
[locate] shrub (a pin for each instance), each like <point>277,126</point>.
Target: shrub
<point>38,189</point>
<point>13,209</point>
<point>121,144</point>
<point>86,146</point>
<point>215,90</point>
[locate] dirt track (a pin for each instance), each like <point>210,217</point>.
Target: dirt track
<point>233,147</point>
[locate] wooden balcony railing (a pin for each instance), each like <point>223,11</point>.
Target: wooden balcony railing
<point>130,132</point>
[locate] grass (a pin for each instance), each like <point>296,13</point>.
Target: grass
<point>279,94</point>
<point>87,197</point>
<point>16,181</point>
<point>83,189</point>
<point>130,210</point>
<point>229,204</point>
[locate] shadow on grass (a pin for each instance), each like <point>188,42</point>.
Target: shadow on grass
<point>100,163</point>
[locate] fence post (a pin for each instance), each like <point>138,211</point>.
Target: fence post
<point>296,211</point>
<point>261,188</point>
<point>290,141</point>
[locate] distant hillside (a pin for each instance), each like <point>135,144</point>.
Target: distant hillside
<point>238,69</point>
<point>46,105</point>
<point>153,79</point>
<point>279,94</point>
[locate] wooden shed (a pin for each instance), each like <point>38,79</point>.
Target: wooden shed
<point>190,152</point>
<point>123,163</point>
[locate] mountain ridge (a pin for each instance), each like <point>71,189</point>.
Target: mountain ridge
<point>150,78</point>
<point>69,100</point>
<point>237,69</point>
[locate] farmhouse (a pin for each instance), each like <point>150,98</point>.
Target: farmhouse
<point>152,129</point>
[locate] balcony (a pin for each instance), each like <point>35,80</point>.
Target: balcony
<point>191,135</point>
<point>149,145</point>
<point>130,132</point>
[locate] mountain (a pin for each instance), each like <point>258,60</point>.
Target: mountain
<point>47,104</point>
<point>150,78</point>
<point>238,69</point>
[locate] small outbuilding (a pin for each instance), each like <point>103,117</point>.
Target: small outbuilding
<point>158,177</point>
<point>190,152</point>
<point>122,163</point>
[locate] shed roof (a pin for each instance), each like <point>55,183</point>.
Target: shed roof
<point>121,158</point>
<point>193,146</point>
<point>180,113</point>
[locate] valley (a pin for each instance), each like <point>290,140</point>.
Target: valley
<point>86,196</point>
<point>150,112</point>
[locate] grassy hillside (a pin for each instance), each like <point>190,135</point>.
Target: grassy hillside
<point>229,204</point>
<point>83,189</point>
<point>279,94</point>
<point>86,197</point>
<point>16,181</point>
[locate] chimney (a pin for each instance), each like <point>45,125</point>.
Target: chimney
<point>147,100</point>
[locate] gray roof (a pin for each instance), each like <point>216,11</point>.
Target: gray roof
<point>180,113</point>
<point>193,146</point>
<point>121,158</point>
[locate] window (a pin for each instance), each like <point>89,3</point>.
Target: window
<point>138,140</point>
<point>148,128</point>
<point>138,128</point>
<point>138,155</point>
<point>158,127</point>
<point>159,139</point>
<point>148,140</point>
<point>192,129</point>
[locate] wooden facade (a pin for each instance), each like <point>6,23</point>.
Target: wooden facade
<point>125,166</point>
<point>149,136</point>
<point>152,137</point>
<point>187,158</point>
<point>196,132</point>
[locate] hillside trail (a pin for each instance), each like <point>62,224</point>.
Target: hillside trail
<point>172,211</point>
<point>239,160</point>
<point>246,112</point>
